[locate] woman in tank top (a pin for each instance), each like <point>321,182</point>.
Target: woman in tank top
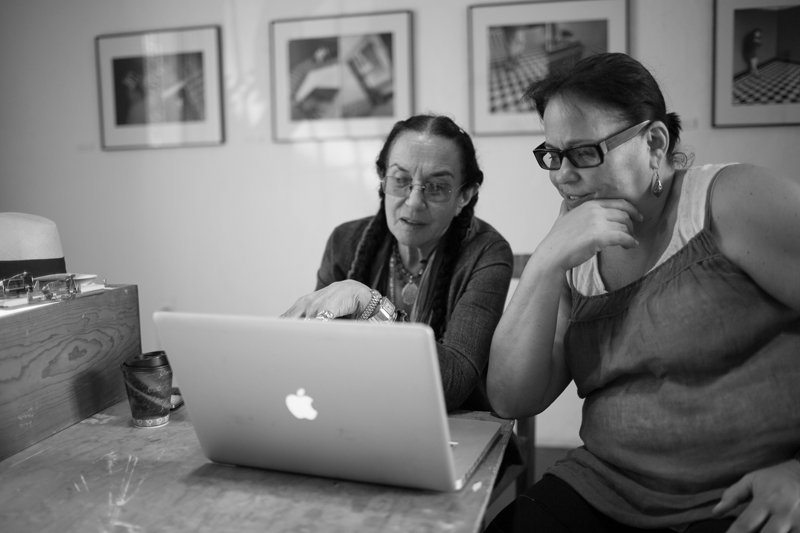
<point>670,294</point>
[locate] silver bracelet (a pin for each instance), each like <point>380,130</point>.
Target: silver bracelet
<point>373,303</point>
<point>387,313</point>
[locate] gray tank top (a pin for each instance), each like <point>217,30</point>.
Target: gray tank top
<point>689,377</point>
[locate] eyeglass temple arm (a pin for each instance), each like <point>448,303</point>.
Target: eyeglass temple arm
<point>622,137</point>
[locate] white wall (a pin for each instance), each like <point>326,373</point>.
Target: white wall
<point>240,228</point>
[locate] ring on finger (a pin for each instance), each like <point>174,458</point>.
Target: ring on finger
<point>325,315</point>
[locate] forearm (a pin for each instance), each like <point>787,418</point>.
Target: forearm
<point>526,367</point>
<point>464,349</point>
<point>459,377</point>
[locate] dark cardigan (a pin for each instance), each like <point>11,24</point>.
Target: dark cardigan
<point>476,298</point>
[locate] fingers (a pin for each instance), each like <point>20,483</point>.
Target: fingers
<point>751,519</point>
<point>623,213</point>
<point>595,211</point>
<point>593,226</point>
<point>774,495</point>
<point>621,205</point>
<point>295,311</point>
<point>733,496</point>
<point>341,298</point>
<point>621,220</point>
<point>609,203</point>
<point>307,306</point>
<point>616,235</point>
<point>777,525</point>
<point>625,239</point>
<point>619,216</point>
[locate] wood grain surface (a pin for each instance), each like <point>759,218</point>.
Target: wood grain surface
<point>103,475</point>
<point>59,364</point>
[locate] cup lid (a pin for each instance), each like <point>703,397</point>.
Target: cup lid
<point>148,360</point>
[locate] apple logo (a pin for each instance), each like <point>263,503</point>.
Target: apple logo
<point>300,405</point>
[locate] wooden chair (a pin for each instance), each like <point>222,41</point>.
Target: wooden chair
<point>523,475</point>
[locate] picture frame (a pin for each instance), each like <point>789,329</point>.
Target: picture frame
<point>512,44</point>
<point>756,63</point>
<point>341,77</point>
<point>160,88</point>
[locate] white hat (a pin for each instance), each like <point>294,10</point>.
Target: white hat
<point>29,243</point>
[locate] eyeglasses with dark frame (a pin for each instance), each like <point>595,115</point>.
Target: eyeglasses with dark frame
<point>586,155</point>
<point>434,191</point>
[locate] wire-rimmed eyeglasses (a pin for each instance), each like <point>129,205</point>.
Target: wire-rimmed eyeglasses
<point>587,155</point>
<point>434,191</point>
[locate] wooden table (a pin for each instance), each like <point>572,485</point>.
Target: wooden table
<point>103,475</point>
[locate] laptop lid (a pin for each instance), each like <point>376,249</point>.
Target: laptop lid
<point>338,399</point>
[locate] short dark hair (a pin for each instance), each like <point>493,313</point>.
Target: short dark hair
<point>615,81</point>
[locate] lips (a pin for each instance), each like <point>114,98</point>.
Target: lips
<point>411,222</point>
<point>574,200</point>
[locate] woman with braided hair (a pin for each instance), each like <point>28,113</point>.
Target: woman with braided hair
<point>424,256</point>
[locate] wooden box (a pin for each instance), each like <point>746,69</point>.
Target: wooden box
<point>60,363</point>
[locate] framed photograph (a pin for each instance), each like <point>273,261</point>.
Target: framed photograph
<point>756,63</point>
<point>160,89</point>
<point>510,45</point>
<point>341,77</point>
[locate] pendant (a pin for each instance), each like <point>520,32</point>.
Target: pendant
<point>409,293</point>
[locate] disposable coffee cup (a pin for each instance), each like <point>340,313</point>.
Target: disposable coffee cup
<point>148,381</point>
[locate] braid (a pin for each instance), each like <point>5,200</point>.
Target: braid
<point>368,246</point>
<point>451,251</point>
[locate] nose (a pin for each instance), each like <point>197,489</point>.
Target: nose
<point>566,174</point>
<point>416,196</point>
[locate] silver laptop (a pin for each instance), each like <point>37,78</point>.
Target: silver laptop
<point>339,399</point>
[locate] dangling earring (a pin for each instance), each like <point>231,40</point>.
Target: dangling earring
<point>658,188</point>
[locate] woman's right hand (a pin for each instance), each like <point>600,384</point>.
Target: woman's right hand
<point>580,233</point>
<point>342,298</point>
<point>527,369</point>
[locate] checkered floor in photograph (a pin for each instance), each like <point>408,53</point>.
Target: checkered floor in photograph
<point>777,82</point>
<point>508,81</point>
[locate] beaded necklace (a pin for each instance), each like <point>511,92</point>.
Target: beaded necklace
<point>411,289</point>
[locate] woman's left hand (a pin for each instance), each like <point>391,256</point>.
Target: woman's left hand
<point>342,298</point>
<point>774,495</point>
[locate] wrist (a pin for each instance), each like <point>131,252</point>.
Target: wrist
<point>369,309</point>
<point>546,261</point>
<point>541,268</point>
<point>385,313</point>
